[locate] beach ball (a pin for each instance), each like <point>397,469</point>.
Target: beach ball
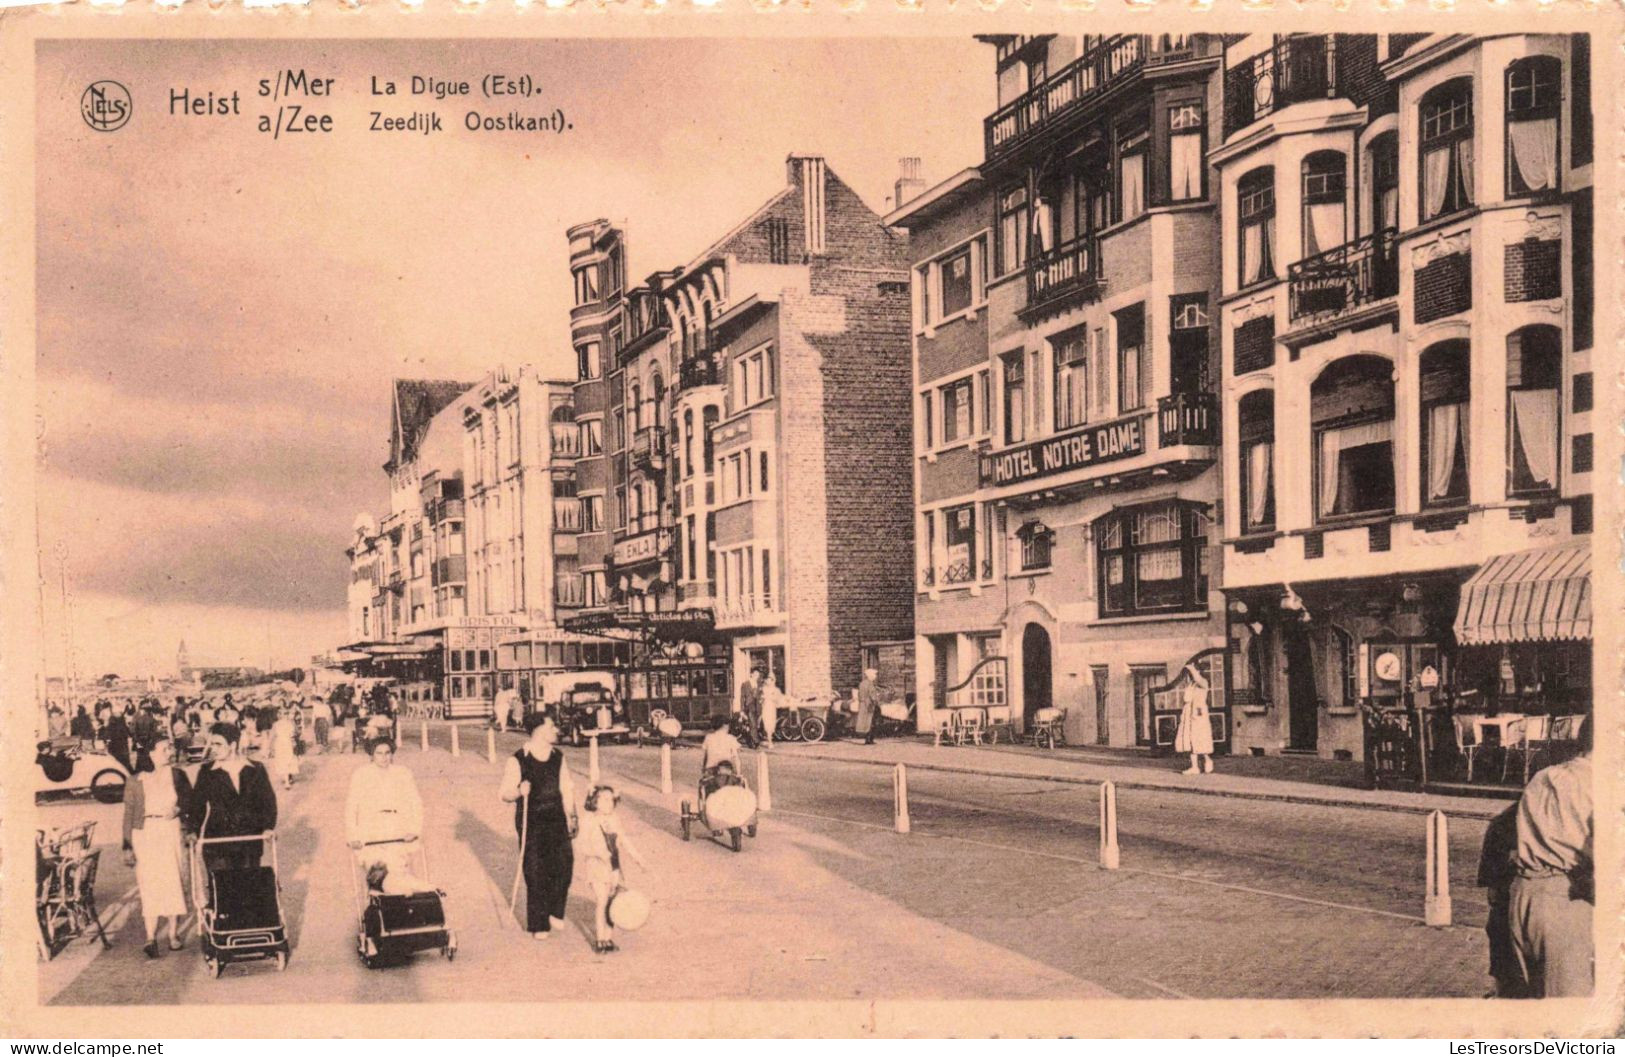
<point>628,910</point>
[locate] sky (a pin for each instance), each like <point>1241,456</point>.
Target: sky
<point>220,313</point>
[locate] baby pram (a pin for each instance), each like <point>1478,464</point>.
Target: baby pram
<point>726,805</point>
<point>239,908</point>
<point>394,925</point>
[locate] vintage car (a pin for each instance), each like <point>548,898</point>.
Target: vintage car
<point>65,765</point>
<point>585,702</point>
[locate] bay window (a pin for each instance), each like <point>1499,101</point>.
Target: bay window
<point>1013,230</point>
<point>1185,152</point>
<point>1324,209</point>
<point>1152,559</point>
<point>1133,152</point>
<point>1255,208</point>
<point>1352,416</point>
<point>1015,398</point>
<point>1447,148</point>
<point>1446,372</point>
<point>1256,440</point>
<point>1071,379</point>
<point>1534,99</point>
<point>588,362</point>
<point>1534,379</point>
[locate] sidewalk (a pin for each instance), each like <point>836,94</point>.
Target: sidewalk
<point>1085,766</point>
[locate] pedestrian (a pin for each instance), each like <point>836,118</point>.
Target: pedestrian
<point>1553,896</point>
<point>82,726</point>
<point>233,797</point>
<point>750,698</point>
<point>772,701</point>
<point>506,708</point>
<point>536,781</point>
<point>868,705</point>
<point>152,842</point>
<point>1195,733</point>
<point>284,761</point>
<point>322,721</point>
<point>383,808</point>
<point>180,735</point>
<point>56,724</point>
<point>718,746</point>
<point>603,845</point>
<point>1497,866</point>
<point>117,738</point>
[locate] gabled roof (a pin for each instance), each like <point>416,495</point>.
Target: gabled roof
<point>416,401</point>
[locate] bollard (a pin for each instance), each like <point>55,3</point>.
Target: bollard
<point>592,760</point>
<point>490,745</point>
<point>423,736</point>
<point>900,798</point>
<point>456,745</point>
<point>1108,826</point>
<point>1436,907</point>
<point>764,792</point>
<point>665,767</point>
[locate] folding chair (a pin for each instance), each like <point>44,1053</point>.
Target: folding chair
<point>1526,737</point>
<point>1467,742</point>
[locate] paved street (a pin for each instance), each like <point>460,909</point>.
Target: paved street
<point>995,894</point>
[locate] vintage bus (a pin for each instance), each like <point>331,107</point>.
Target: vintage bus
<point>690,687</point>
<point>522,663</point>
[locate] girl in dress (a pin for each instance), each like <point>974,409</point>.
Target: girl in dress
<point>603,845</point>
<point>284,764</point>
<point>152,842</point>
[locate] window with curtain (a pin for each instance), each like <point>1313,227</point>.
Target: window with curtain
<point>959,536</point>
<point>1132,362</point>
<point>956,411</point>
<point>688,443</point>
<point>634,407</point>
<point>957,292</point>
<point>1534,382</point>
<point>1185,152</point>
<point>1151,559</point>
<point>1015,398</point>
<point>1325,184</point>
<point>1071,379</point>
<point>1446,372</point>
<point>1256,441</point>
<point>1534,88</point>
<point>1447,148</point>
<point>1012,230</point>
<point>1255,208</point>
<point>1352,416</point>
<point>1384,153</point>
<point>1035,539</point>
<point>710,415</point>
<point>1133,151</point>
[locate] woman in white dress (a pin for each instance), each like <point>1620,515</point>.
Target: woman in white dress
<point>284,764</point>
<point>152,842</point>
<point>1195,734</point>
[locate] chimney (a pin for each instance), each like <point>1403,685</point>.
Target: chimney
<point>909,181</point>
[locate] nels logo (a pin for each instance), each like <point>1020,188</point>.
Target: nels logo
<point>105,106</point>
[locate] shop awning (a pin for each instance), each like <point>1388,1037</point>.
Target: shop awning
<point>1541,595</point>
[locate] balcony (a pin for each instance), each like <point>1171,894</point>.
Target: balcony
<point>566,440</point>
<point>566,515</point>
<point>1342,281</point>
<point>1188,419</point>
<point>1077,85</point>
<point>1298,70</point>
<point>649,448</point>
<point>453,570</point>
<point>1069,269</point>
<point>754,610</point>
<point>445,510</point>
<point>696,372</point>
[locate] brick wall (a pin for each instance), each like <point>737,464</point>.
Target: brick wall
<point>1255,344</point>
<point>1444,287</point>
<point>956,346</point>
<point>1533,270</point>
<point>1126,256</point>
<point>955,473</point>
<point>803,497</point>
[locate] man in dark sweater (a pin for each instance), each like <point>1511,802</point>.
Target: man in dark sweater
<point>232,797</point>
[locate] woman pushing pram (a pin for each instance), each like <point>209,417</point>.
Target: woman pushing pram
<point>383,816</point>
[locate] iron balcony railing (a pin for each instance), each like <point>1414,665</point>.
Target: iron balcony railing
<point>1188,418</point>
<point>1346,278</point>
<point>697,371</point>
<point>1071,266</point>
<point>1295,70</point>
<point>1079,83</point>
<point>649,447</point>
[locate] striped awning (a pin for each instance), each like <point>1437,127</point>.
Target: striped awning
<point>1541,595</point>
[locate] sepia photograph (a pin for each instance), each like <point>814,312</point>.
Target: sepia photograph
<point>867,521</point>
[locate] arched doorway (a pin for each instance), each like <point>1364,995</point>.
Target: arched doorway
<point>1036,677</point>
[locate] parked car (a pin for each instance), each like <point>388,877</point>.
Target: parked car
<point>66,766</point>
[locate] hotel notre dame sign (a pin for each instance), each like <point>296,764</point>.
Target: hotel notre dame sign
<point>1121,439</point>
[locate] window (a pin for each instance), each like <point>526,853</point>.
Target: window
<point>959,535</point>
<point>762,459</point>
<point>956,411</point>
<point>1151,559</point>
<point>592,436</point>
<point>1133,365</point>
<point>1012,248</point>
<point>618,433</point>
<point>928,543</point>
<point>1015,398</point>
<point>1534,379</point>
<point>1534,89</point>
<point>1071,379</point>
<point>1352,415</point>
<point>1133,143</point>
<point>1256,429</point>
<point>592,513</point>
<point>710,415</point>
<point>593,592</point>
<point>586,279</point>
<point>1385,182</point>
<point>957,293</point>
<point>620,507</point>
<point>1445,381</point>
<point>1447,149</point>
<point>1324,209</point>
<point>1035,539</point>
<point>1188,367</point>
<point>753,379</point>
<point>1185,152</point>
<point>1255,206</point>
<point>588,361</point>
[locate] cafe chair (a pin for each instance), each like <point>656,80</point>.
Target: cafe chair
<point>943,726</point>
<point>1467,740</point>
<point>970,728</point>
<point>999,719</point>
<point>1527,737</point>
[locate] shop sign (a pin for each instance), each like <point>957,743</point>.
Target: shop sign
<point>642,548</point>
<point>1121,439</point>
<point>470,638</point>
